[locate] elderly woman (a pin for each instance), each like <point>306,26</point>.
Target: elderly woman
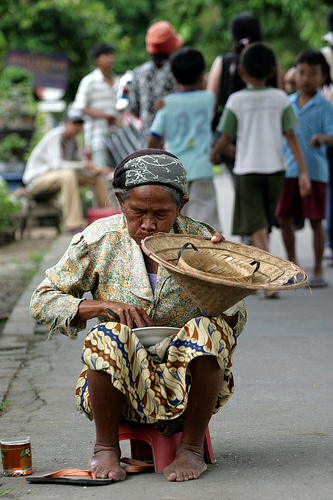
<point>122,381</point>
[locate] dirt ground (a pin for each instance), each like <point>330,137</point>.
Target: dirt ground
<point>19,261</point>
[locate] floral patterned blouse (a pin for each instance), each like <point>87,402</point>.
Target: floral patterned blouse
<point>105,261</point>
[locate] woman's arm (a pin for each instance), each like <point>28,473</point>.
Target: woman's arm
<point>130,315</point>
<point>214,79</point>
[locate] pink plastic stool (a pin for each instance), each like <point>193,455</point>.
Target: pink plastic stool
<point>147,442</point>
<point>99,212</point>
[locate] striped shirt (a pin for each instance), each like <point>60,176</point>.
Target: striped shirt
<point>96,93</point>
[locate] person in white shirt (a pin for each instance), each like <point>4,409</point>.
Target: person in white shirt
<point>96,97</point>
<point>57,164</point>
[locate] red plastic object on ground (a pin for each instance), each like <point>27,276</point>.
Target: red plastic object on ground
<point>98,213</point>
<point>147,442</point>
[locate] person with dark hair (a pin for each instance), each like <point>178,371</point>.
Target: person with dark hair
<point>56,164</point>
<point>96,98</point>
<point>189,378</point>
<point>224,78</point>
<point>153,79</point>
<point>185,125</point>
<point>259,116</point>
<point>315,132</point>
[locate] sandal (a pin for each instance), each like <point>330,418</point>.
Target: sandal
<point>70,476</point>
<point>87,477</point>
<point>318,283</point>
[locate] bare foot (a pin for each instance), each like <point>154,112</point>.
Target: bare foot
<point>188,464</point>
<point>105,463</point>
<point>271,295</point>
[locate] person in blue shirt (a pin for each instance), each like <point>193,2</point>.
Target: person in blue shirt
<point>315,132</point>
<point>185,124</point>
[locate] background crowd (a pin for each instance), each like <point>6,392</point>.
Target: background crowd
<point>182,107</point>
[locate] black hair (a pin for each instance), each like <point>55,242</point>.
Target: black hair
<point>312,58</point>
<point>258,60</point>
<point>178,197</point>
<point>244,26</point>
<point>187,64</point>
<point>159,59</point>
<point>101,48</point>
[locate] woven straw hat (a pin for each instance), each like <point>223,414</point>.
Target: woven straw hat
<point>218,275</point>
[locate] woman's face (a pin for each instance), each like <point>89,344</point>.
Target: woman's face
<point>149,210</point>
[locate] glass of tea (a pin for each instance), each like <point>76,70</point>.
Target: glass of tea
<point>16,456</point>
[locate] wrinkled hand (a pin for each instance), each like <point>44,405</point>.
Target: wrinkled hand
<point>132,316</point>
<point>217,237</point>
<point>304,185</point>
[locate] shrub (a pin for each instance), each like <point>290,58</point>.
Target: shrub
<point>9,208</point>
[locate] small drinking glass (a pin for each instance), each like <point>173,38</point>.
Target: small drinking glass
<point>16,456</point>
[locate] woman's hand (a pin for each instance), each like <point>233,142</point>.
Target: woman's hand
<point>132,316</point>
<point>217,237</point>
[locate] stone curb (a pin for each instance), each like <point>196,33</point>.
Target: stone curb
<point>20,327</point>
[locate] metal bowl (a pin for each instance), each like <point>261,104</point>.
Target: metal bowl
<point>151,335</point>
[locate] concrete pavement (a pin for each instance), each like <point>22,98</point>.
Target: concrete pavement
<point>272,440</point>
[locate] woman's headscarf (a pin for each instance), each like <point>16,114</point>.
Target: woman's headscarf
<point>150,166</point>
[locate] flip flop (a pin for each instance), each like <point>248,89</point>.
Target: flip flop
<point>87,477</point>
<point>318,283</point>
<point>70,476</point>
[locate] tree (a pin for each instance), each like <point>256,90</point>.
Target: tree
<point>57,26</point>
<point>74,26</point>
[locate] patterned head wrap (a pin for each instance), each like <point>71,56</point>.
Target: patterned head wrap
<point>150,166</point>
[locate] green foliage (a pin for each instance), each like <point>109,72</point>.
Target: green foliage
<point>36,258</point>
<point>9,207</point>
<point>36,391</point>
<point>17,102</point>
<point>5,492</point>
<point>74,26</point>
<point>14,75</point>
<point>12,148</point>
<point>40,130</point>
<point>3,405</point>
<point>67,26</point>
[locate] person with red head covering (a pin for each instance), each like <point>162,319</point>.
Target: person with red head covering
<point>154,79</point>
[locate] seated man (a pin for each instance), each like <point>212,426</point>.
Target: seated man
<point>56,164</point>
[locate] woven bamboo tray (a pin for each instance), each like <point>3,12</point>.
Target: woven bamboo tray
<point>212,262</point>
<point>212,291</point>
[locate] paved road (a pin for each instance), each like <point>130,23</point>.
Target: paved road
<point>273,439</point>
